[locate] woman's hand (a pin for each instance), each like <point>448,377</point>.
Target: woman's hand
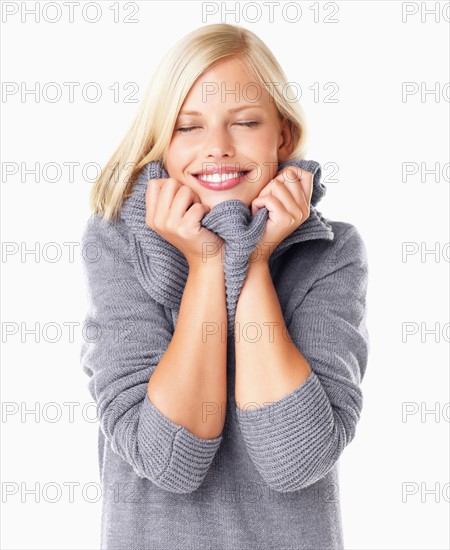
<point>174,211</point>
<point>287,198</point>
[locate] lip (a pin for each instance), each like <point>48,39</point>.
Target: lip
<point>222,185</point>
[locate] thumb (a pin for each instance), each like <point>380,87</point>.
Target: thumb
<point>257,204</point>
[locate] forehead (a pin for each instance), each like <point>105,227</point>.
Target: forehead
<point>229,84</point>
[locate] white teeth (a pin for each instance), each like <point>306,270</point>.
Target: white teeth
<point>217,178</point>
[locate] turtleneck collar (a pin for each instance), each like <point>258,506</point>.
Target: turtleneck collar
<point>162,269</point>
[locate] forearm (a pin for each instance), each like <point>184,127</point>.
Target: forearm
<point>189,383</point>
<point>268,364</point>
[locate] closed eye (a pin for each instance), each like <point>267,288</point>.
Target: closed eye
<point>250,124</point>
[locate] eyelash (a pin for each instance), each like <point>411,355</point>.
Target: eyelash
<point>248,124</point>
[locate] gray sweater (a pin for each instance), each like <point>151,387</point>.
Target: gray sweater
<point>270,480</point>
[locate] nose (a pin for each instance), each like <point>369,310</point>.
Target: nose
<point>217,144</point>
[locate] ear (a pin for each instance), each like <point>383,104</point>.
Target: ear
<point>285,141</point>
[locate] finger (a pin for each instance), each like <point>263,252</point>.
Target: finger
<point>169,188</point>
<point>277,212</point>
<point>184,198</point>
<point>195,214</point>
<point>296,177</point>
<point>266,190</point>
<point>151,200</point>
<point>290,180</point>
<point>297,188</point>
<point>292,197</point>
<point>307,185</point>
<point>258,203</point>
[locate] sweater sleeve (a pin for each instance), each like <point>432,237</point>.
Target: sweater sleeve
<point>125,335</point>
<point>296,440</point>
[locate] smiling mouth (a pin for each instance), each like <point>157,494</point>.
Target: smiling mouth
<point>221,182</point>
<point>220,178</point>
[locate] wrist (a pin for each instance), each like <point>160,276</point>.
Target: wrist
<point>210,263</point>
<point>258,265</point>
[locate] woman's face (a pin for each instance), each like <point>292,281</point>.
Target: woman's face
<point>236,128</point>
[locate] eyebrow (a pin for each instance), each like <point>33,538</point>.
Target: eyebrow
<point>235,109</point>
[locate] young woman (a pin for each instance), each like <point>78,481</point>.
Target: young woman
<point>226,340</point>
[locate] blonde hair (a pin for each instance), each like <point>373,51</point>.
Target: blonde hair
<point>151,132</point>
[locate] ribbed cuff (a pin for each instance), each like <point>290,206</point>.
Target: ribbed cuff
<point>283,438</point>
<point>179,459</point>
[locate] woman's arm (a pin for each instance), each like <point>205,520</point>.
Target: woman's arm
<point>126,334</point>
<point>268,364</point>
<point>296,439</point>
<point>189,383</point>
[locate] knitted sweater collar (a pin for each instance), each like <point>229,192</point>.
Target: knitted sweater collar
<point>162,269</point>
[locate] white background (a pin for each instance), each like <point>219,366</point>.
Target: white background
<point>369,134</point>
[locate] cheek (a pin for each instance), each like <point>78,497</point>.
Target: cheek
<point>267,139</point>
